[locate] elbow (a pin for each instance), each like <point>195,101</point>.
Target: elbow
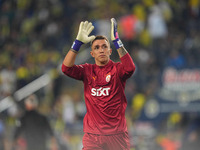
<point>128,64</point>
<point>65,69</point>
<point>131,68</point>
<point>132,71</point>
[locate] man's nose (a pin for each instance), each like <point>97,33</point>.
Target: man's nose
<point>101,49</point>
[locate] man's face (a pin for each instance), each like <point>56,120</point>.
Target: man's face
<point>101,52</point>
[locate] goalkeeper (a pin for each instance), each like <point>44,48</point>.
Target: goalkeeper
<point>104,124</point>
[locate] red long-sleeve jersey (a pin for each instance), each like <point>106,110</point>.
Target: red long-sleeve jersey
<point>104,94</point>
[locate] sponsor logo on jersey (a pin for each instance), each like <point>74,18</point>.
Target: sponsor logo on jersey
<point>100,91</point>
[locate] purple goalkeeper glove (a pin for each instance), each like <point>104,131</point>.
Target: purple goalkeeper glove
<point>114,34</point>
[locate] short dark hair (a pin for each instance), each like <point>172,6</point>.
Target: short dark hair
<point>100,37</point>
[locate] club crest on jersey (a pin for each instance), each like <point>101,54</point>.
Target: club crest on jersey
<point>108,77</point>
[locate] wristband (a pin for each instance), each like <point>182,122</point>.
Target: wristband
<point>76,45</point>
<point>118,43</point>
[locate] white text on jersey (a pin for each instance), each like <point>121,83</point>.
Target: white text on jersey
<point>100,92</point>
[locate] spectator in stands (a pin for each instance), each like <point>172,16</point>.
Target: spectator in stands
<point>35,127</point>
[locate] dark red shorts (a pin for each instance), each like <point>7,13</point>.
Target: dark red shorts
<point>106,142</point>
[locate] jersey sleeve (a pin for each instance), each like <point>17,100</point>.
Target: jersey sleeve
<point>127,67</point>
<point>76,71</point>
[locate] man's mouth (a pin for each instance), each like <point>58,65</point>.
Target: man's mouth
<point>102,55</point>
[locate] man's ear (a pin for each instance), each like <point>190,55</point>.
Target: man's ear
<point>91,53</point>
<point>110,51</point>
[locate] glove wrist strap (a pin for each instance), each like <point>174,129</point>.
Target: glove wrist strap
<point>118,43</point>
<point>76,45</point>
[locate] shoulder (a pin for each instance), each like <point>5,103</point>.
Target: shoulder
<point>86,66</point>
<point>117,64</point>
<point>40,115</point>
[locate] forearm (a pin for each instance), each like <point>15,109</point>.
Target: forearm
<point>122,51</point>
<point>70,58</point>
<point>115,39</point>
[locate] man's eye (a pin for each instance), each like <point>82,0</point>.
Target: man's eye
<point>96,47</point>
<point>104,46</point>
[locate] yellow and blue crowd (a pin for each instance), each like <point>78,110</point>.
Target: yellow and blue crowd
<point>35,35</point>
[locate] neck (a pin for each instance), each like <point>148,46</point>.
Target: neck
<point>102,63</point>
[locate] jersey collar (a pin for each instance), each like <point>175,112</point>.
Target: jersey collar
<point>105,66</point>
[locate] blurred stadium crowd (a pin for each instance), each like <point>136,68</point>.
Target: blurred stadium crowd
<point>36,34</point>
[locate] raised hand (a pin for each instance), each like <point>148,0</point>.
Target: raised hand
<point>114,34</point>
<point>85,28</point>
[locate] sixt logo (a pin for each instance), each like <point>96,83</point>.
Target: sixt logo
<point>100,91</point>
